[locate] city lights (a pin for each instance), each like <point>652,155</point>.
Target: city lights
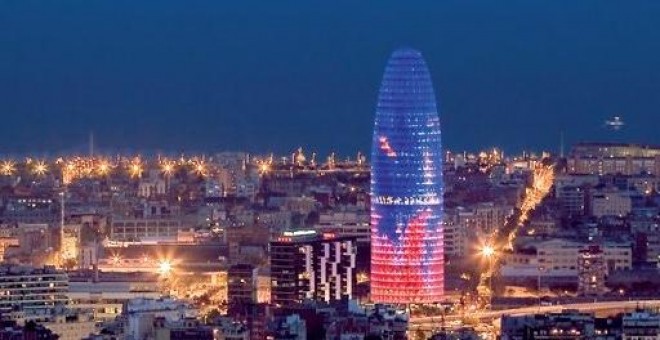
<point>164,267</point>
<point>167,171</point>
<point>40,168</point>
<point>103,168</point>
<point>488,251</point>
<point>199,167</point>
<point>543,177</point>
<point>8,167</point>
<point>167,167</point>
<point>264,168</point>
<point>362,277</point>
<point>299,157</point>
<point>73,168</point>
<point>135,168</point>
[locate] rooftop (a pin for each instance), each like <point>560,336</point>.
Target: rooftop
<point>11,269</point>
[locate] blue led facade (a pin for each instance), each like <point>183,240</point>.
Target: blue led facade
<point>407,260</point>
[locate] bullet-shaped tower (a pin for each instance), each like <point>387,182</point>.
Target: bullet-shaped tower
<point>407,259</point>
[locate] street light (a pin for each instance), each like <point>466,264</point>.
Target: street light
<point>488,251</point>
<point>264,168</point>
<point>164,267</point>
<point>538,285</point>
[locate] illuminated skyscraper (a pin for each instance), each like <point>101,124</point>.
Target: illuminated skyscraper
<point>407,260</point>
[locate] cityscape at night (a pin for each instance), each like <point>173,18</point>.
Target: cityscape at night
<point>204,171</point>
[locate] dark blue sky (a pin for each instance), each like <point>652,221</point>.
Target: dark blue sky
<point>271,75</point>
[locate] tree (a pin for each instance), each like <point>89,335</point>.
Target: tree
<point>69,264</point>
<point>212,315</point>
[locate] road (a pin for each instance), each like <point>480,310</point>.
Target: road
<point>431,322</point>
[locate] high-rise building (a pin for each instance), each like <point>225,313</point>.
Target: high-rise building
<point>306,265</point>
<point>407,258</point>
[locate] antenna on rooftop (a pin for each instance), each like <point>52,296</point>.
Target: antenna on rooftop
<point>61,254</point>
<point>91,144</point>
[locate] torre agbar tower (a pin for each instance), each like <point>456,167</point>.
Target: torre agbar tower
<point>407,259</point>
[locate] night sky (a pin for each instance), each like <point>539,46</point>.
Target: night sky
<point>210,75</point>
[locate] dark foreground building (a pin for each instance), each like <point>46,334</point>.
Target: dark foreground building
<point>307,266</point>
<point>573,324</point>
<point>242,284</point>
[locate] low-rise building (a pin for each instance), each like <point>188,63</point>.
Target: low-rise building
<point>388,323</point>
<point>69,324</point>
<point>70,242</point>
<point>485,217</point>
<point>560,254</point>
<point>610,203</point>
<point>555,261</point>
<point>32,291</point>
<point>31,210</point>
<point>591,271</point>
<point>12,330</point>
<point>572,199</point>
<point>613,158</point>
<point>569,324</point>
<point>144,229</point>
<point>242,284</point>
<point>641,325</point>
<point>139,316</point>
<point>229,329</point>
<point>456,241</point>
<point>34,238</point>
<point>350,223</point>
<point>572,324</point>
<point>186,328</point>
<point>152,187</point>
<point>107,298</point>
<point>291,327</point>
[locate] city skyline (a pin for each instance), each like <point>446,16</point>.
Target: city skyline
<point>294,170</point>
<point>514,81</point>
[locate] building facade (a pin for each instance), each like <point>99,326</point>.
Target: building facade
<point>555,261</point>
<point>614,158</point>
<point>455,237</point>
<point>34,292</point>
<point>407,258</point>
<point>306,265</point>
<point>242,284</point>
<point>141,229</point>
<point>611,203</point>
<point>641,324</point>
<point>591,271</point>
<point>569,324</point>
<point>572,199</point>
<point>354,223</point>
